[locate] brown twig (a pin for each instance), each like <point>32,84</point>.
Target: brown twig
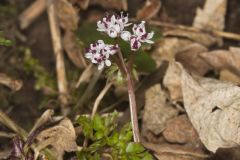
<point>58,51</point>
<point>85,76</point>
<point>227,35</point>
<point>32,13</point>
<point>99,98</point>
<point>132,100</point>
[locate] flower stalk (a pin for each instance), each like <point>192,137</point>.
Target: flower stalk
<point>132,98</point>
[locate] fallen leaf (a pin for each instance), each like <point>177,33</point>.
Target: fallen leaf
<point>212,16</point>
<point>150,9</point>
<point>60,137</point>
<point>172,81</point>
<point>180,130</point>
<point>223,59</point>
<point>176,152</point>
<point>202,38</point>
<point>111,4</point>
<point>46,117</point>
<point>67,15</point>
<point>13,84</point>
<point>213,108</point>
<point>156,101</point>
<point>73,50</point>
<point>227,75</point>
<point>190,59</point>
<point>167,48</point>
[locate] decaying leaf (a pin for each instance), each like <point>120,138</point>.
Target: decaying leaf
<point>167,48</point>
<point>223,59</point>
<point>60,137</point>
<point>73,50</point>
<point>172,81</point>
<point>213,108</point>
<point>212,16</point>
<point>111,4</point>
<point>156,101</point>
<point>190,59</point>
<point>176,152</point>
<point>227,75</point>
<point>202,38</point>
<point>150,9</point>
<point>13,84</point>
<point>46,117</point>
<point>67,15</point>
<point>180,130</point>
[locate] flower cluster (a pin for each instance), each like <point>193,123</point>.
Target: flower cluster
<point>113,26</point>
<point>99,53</point>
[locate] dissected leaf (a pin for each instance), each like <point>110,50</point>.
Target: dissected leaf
<point>213,108</point>
<point>61,137</point>
<point>223,59</point>
<point>13,84</point>
<point>150,9</point>
<point>156,110</point>
<point>134,148</point>
<point>190,59</point>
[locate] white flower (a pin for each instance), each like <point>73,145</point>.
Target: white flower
<point>113,25</point>
<point>139,36</point>
<point>99,53</point>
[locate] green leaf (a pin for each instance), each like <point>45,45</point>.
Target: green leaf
<point>85,122</point>
<point>113,139</point>
<point>98,123</point>
<point>147,156</point>
<point>134,148</point>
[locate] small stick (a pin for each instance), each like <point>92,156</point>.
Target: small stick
<point>85,76</point>
<point>132,100</point>
<point>99,98</point>
<point>227,35</point>
<point>58,52</point>
<point>32,13</point>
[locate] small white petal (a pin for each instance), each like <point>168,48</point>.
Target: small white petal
<point>108,62</point>
<point>88,55</point>
<point>150,35</point>
<point>112,33</point>
<point>100,66</point>
<point>125,35</point>
<point>149,41</point>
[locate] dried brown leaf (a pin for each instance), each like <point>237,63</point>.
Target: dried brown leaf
<point>73,50</point>
<point>176,152</point>
<point>61,137</point>
<point>227,75</point>
<point>180,130</point>
<point>150,9</point>
<point>45,117</point>
<point>202,38</point>
<point>67,15</point>
<point>167,48</point>
<point>223,59</point>
<point>172,81</point>
<point>156,111</point>
<point>190,59</point>
<point>212,16</point>
<point>111,4</point>
<point>213,108</point>
<point>13,84</point>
